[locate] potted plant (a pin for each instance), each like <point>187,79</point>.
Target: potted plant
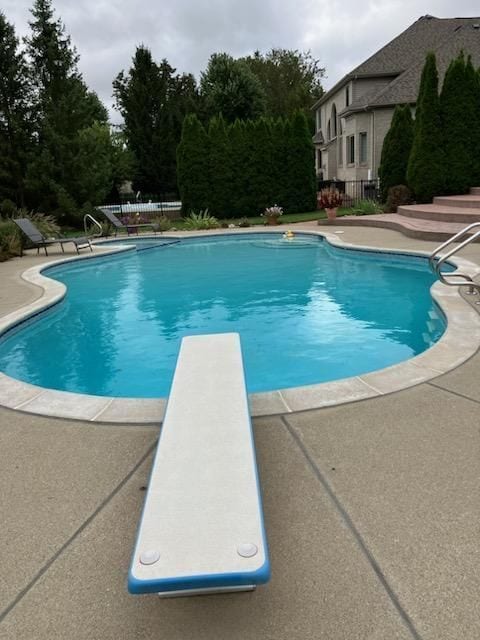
<point>330,200</point>
<point>272,214</point>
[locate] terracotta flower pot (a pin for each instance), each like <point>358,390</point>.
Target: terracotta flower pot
<point>331,214</point>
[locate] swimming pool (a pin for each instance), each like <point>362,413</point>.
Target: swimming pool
<point>307,312</point>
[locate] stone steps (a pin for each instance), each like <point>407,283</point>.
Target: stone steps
<point>470,201</point>
<point>418,228</point>
<point>436,222</point>
<point>441,213</point>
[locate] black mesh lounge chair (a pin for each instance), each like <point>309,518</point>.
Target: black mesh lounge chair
<point>39,240</point>
<point>129,228</point>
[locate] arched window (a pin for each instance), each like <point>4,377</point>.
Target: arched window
<point>334,120</point>
<point>329,131</point>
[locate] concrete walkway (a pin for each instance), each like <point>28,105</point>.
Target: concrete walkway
<point>372,514</point>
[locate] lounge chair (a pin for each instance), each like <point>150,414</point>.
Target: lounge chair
<point>39,240</point>
<point>129,228</point>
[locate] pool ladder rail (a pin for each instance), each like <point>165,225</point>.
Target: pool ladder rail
<point>456,279</point>
<point>89,218</point>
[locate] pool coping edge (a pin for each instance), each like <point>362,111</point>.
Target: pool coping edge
<point>460,341</point>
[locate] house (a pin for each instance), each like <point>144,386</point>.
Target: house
<point>354,116</point>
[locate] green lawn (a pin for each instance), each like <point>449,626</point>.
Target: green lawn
<point>290,218</point>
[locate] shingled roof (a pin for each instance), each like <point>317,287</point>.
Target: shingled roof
<point>403,58</point>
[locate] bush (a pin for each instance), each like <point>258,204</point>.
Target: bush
<point>243,222</point>
<point>201,220</point>
<point>46,224</point>
<point>162,223</point>
<point>397,196</point>
<point>8,208</point>
<point>366,207</point>
<point>10,240</point>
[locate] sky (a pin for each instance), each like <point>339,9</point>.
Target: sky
<point>340,34</point>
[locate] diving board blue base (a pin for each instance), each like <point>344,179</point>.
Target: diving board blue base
<point>202,528</point>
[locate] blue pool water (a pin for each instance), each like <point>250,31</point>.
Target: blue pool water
<point>306,312</point>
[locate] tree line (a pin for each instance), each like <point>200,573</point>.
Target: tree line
<point>58,152</point>
<point>238,169</point>
<point>437,152</point>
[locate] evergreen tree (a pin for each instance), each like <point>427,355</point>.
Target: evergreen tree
<point>220,167</point>
<point>301,194</point>
<point>64,107</point>
<point>192,166</point>
<point>281,132</point>
<point>94,164</point>
<point>239,153</point>
<point>230,88</point>
<point>261,166</point>
<point>457,117</point>
<point>426,165</point>
<point>396,149</point>
<point>15,116</point>
<point>153,102</point>
<point>473,110</point>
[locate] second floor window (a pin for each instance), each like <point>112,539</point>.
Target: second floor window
<point>347,95</point>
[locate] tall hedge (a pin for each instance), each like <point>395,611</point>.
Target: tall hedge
<point>241,169</point>
<point>457,115</point>
<point>473,110</point>
<point>220,168</point>
<point>396,150</point>
<point>192,166</point>
<point>261,166</point>
<point>300,165</point>
<point>280,129</point>
<point>427,162</point>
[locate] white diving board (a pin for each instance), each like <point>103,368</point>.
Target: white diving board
<point>202,528</point>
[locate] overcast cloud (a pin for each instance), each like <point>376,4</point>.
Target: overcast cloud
<point>186,32</point>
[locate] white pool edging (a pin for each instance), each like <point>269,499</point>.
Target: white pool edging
<point>460,341</point>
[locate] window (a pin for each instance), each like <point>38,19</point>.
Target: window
<point>363,147</point>
<point>347,95</point>
<point>340,151</point>
<point>329,133</point>
<point>351,149</point>
<point>319,119</point>
<point>334,120</point>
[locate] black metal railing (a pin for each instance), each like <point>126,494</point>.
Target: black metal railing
<point>353,190</point>
<point>147,206</point>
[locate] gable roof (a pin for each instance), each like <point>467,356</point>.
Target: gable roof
<point>403,58</point>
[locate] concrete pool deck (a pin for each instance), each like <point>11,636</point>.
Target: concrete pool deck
<point>372,514</point>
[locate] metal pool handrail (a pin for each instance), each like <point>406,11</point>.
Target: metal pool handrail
<point>436,262</point>
<point>88,217</point>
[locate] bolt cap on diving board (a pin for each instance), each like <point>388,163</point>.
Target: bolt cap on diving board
<point>202,523</point>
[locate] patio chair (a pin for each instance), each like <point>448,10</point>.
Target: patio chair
<point>39,240</point>
<point>129,228</point>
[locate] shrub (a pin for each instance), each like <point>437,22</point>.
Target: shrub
<point>366,207</point>
<point>7,208</point>
<point>397,196</point>
<point>201,220</point>
<point>10,240</point>
<point>46,224</point>
<point>162,223</point>
<point>244,222</point>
